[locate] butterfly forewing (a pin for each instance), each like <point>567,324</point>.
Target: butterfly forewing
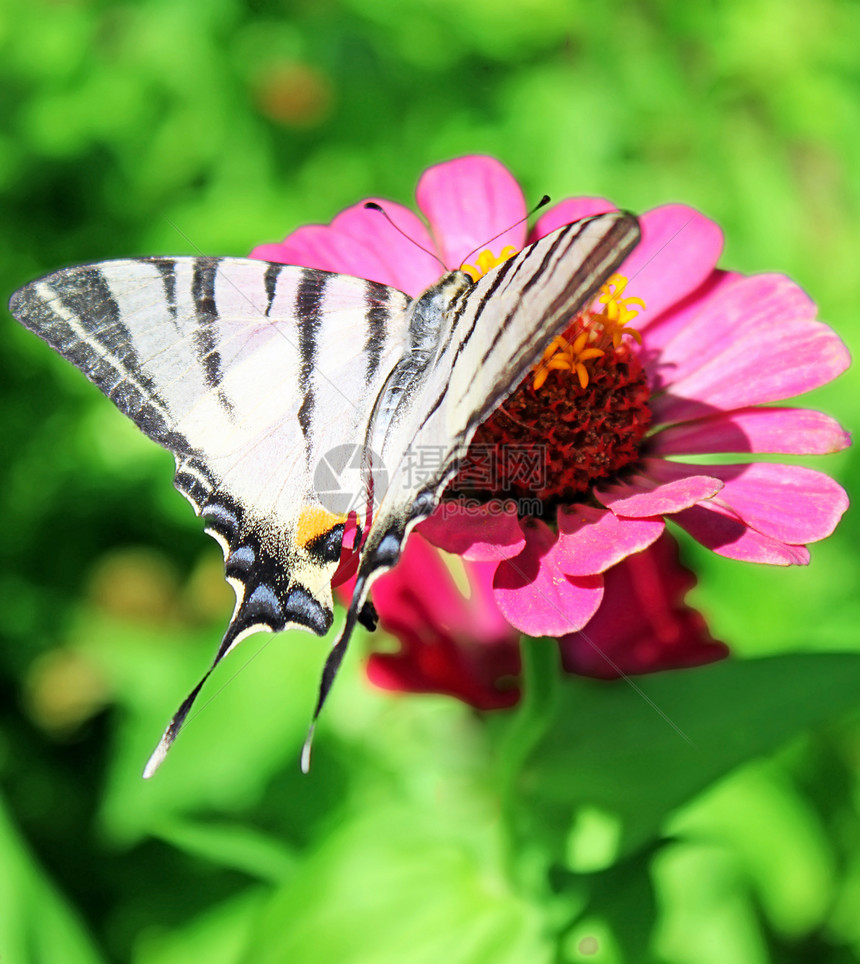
<point>250,373</point>
<point>493,333</point>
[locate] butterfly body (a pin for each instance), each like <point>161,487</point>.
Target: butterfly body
<point>251,373</point>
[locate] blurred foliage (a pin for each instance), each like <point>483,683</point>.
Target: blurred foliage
<point>704,816</point>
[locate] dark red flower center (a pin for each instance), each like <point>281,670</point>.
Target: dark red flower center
<point>579,418</point>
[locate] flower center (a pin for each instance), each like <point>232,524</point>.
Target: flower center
<point>579,417</point>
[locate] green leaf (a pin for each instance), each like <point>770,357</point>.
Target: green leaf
<point>638,750</point>
<point>231,845</point>
<point>36,923</point>
<point>708,915</point>
<point>400,885</point>
<point>248,726</point>
<point>618,917</point>
<point>779,842</point>
<point>218,936</point>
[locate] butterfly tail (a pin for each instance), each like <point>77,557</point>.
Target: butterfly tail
<point>238,629</point>
<point>172,731</point>
<point>332,664</point>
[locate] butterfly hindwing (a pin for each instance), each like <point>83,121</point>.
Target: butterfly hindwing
<point>249,372</point>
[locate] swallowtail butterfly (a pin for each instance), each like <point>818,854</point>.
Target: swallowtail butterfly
<point>251,372</point>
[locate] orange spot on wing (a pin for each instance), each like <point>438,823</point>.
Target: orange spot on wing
<point>314,521</point>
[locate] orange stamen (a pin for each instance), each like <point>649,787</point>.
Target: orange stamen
<point>592,333</point>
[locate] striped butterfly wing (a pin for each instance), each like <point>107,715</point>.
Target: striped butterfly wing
<point>489,336</point>
<point>250,373</point>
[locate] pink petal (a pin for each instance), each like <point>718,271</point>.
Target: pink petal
<point>591,540</point>
<point>796,358</point>
<point>451,644</point>
<point>485,617</point>
<point>423,573</point>
<point>791,431</point>
<point>786,502</point>
<point>536,597</point>
<point>653,492</point>
<point>756,343</point>
<point>362,243</point>
<point>677,253</point>
<point>566,212</point>
<point>642,625</point>
<point>483,533</point>
<point>759,304</point>
<point>716,528</point>
<point>467,202</point>
<point>415,270</point>
<point>663,328</point>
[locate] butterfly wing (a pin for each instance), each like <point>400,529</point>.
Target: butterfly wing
<point>489,337</point>
<point>250,373</point>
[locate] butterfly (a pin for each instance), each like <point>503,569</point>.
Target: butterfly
<point>253,373</point>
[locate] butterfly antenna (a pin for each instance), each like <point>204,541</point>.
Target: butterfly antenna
<point>541,203</point>
<point>373,206</point>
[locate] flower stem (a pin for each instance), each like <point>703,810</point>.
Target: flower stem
<point>525,730</point>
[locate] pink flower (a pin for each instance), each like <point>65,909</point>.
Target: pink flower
<point>642,624</point>
<point>451,644</point>
<point>463,647</point>
<point>615,409</point>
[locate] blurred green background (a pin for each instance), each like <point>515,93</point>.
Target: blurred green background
<point>578,827</point>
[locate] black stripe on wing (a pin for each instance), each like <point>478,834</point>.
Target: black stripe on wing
<point>308,313</point>
<point>377,303</point>
<point>203,279</point>
<point>580,288</point>
<point>270,281</point>
<point>565,240</point>
<point>167,269</point>
<point>603,258</point>
<point>75,312</point>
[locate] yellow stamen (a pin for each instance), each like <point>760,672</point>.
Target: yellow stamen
<point>590,353</point>
<point>590,330</point>
<point>487,260</point>
<point>618,310</point>
<point>562,355</point>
